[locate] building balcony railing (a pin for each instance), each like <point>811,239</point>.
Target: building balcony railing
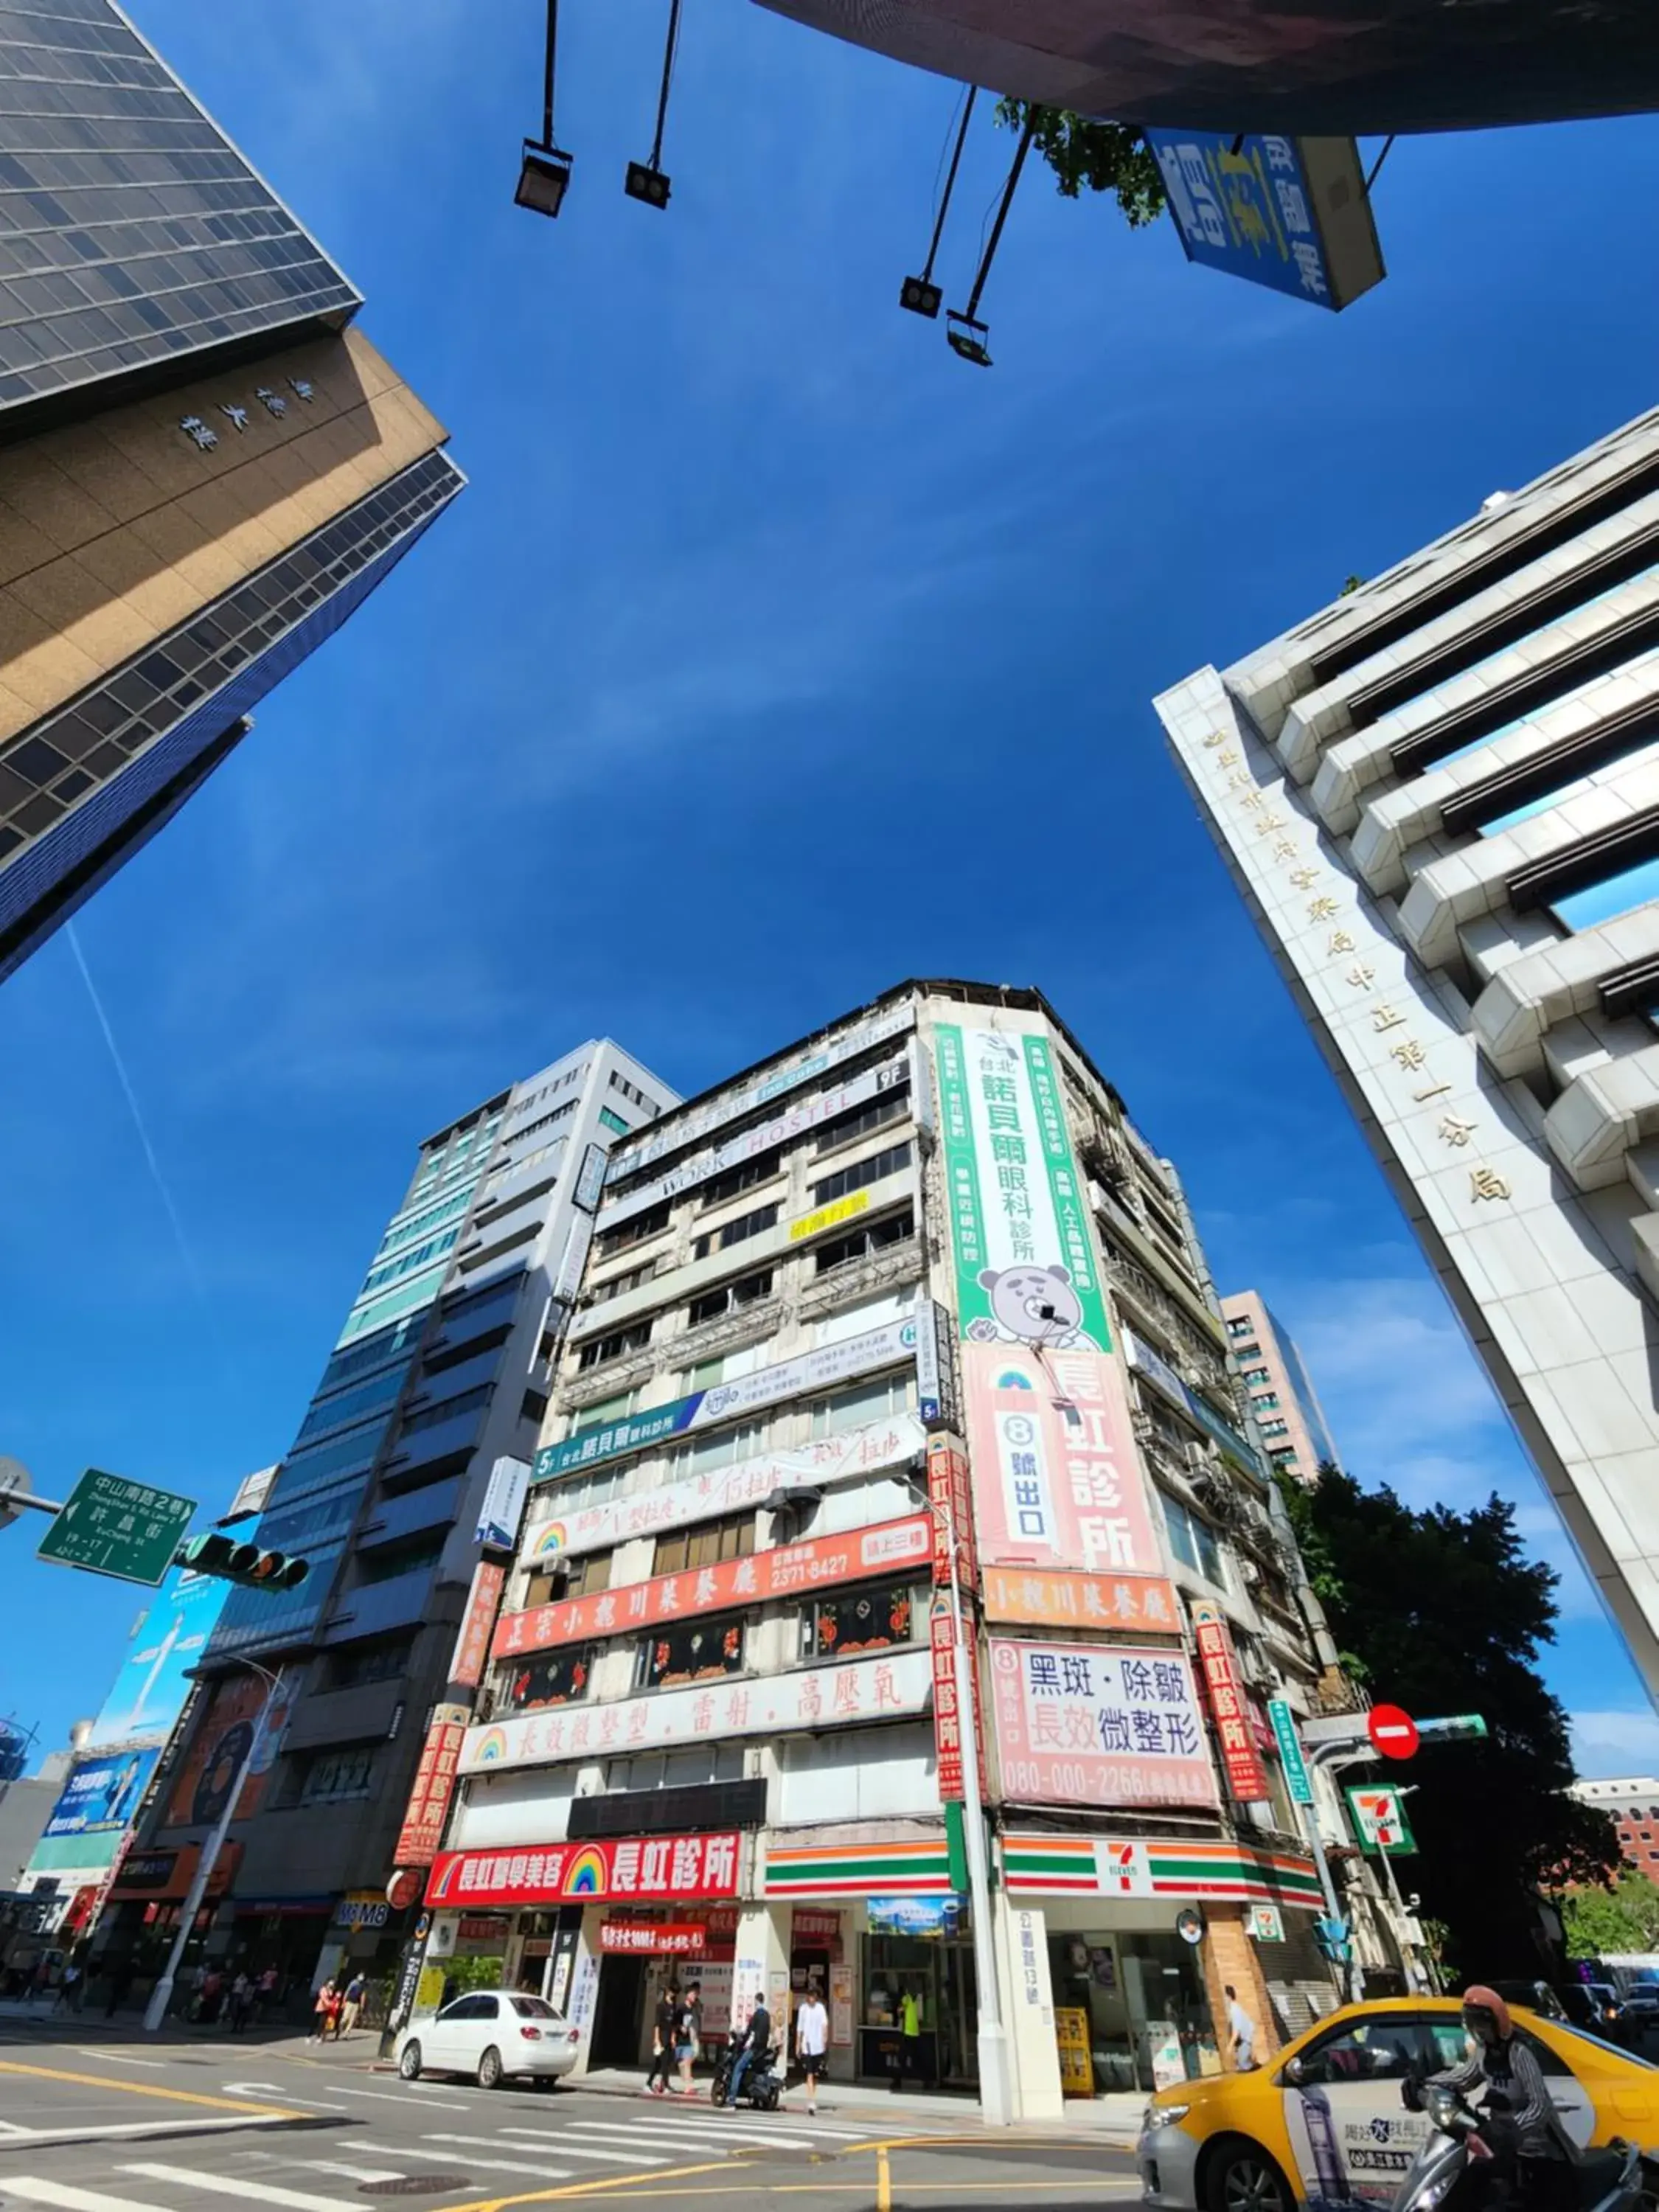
<point>857,1280</point>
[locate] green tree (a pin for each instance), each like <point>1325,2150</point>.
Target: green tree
<point>1621,1916</point>
<point>1105,157</point>
<point>1445,1613</point>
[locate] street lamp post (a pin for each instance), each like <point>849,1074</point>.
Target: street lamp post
<point>995,2088</point>
<point>161,1996</point>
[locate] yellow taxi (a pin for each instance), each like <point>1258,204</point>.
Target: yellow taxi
<point>1322,2125</point>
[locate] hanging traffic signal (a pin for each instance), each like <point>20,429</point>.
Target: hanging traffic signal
<point>243,1564</point>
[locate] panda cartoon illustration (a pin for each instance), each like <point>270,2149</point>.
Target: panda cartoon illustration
<point>1031,1305</point>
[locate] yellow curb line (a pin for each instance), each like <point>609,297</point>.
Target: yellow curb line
<point>148,2089</point>
<point>884,2180</point>
<point>861,2188</point>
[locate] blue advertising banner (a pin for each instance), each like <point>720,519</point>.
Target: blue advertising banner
<point>1253,206</point>
<point>149,1693</point>
<point>102,1793</point>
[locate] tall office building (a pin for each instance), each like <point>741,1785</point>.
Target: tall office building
<point>441,1370</point>
<point>1289,1418</point>
<point>917,1271</point>
<point>1440,799</point>
<point>205,469</point>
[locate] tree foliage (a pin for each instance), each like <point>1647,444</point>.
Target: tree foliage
<point>1102,157</point>
<point>1446,1614</point>
<point>1622,1917</point>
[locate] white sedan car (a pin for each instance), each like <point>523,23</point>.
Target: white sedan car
<point>491,2034</point>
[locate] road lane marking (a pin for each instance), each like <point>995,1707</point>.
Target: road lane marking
<point>592,2186</point>
<point>884,2181</point>
<point>122,2058</point>
<point>138,2131</point>
<point>567,2149</point>
<point>405,2097</point>
<point>231,2185</point>
<point>134,2088</point>
<point>75,2200</point>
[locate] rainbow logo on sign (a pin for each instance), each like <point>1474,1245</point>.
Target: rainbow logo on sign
<point>492,1746</point>
<point>1013,1378</point>
<point>587,1877</point>
<point>552,1539</point>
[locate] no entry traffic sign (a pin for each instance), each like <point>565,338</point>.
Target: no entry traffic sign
<point>1393,1730</point>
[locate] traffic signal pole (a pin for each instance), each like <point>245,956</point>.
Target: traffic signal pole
<point>161,1996</point>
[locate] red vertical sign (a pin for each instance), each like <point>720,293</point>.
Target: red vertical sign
<point>473,1645</point>
<point>1246,1778</point>
<point>952,1501</point>
<point>428,1809</point>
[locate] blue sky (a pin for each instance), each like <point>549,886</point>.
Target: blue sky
<point>773,655</point>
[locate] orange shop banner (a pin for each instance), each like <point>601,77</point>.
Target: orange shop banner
<point>1037,1597</point>
<point>790,1570</point>
<point>473,1645</point>
<point>428,1809</point>
<point>166,1875</point>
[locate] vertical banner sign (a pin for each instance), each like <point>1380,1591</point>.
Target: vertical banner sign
<point>503,1504</point>
<point>428,1811</point>
<point>1246,1778</point>
<point>473,1645</point>
<point>1296,1776</point>
<point>1056,1478</point>
<point>949,1494</point>
<point>948,1743</point>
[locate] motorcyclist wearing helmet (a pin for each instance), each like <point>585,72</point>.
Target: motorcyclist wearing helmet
<point>1517,2097</point>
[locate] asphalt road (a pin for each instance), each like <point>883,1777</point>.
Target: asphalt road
<point>86,2127</point>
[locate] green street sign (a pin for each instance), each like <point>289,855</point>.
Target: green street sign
<point>110,1526</point>
<point>1290,1752</point>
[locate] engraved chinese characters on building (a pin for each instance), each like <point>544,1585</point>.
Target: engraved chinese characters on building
<point>1090,1724</point>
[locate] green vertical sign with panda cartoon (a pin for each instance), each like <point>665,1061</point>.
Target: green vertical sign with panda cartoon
<point>1025,1264</point>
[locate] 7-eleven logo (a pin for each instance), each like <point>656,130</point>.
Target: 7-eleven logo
<point>1379,1813</point>
<point>1122,1871</point>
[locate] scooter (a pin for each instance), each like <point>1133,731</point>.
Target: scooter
<point>1604,2180</point>
<point>761,2086</point>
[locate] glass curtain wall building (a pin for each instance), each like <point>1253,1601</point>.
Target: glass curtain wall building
<point>205,469</point>
<point>441,1369</point>
<point>1440,801</point>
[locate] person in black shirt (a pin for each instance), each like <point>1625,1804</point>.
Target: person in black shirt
<point>757,2041</point>
<point>662,2042</point>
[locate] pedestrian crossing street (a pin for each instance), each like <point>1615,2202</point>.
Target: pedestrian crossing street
<point>326,2171</point>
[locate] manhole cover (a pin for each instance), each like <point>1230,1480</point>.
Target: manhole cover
<point>415,2184</point>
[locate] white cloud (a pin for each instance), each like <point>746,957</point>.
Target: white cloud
<point>1615,1741</point>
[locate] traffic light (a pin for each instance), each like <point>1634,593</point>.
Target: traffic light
<point>243,1564</point>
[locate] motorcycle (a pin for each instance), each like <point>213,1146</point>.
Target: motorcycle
<point>1604,2180</point>
<point>761,2089</point>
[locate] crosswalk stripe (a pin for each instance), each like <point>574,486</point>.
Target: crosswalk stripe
<point>38,2192</point>
<point>231,2185</point>
<point>723,2129</point>
<point>351,2172</point>
<point>406,2097</point>
<point>716,2131</point>
<point>567,2149</point>
<point>491,2165</point>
